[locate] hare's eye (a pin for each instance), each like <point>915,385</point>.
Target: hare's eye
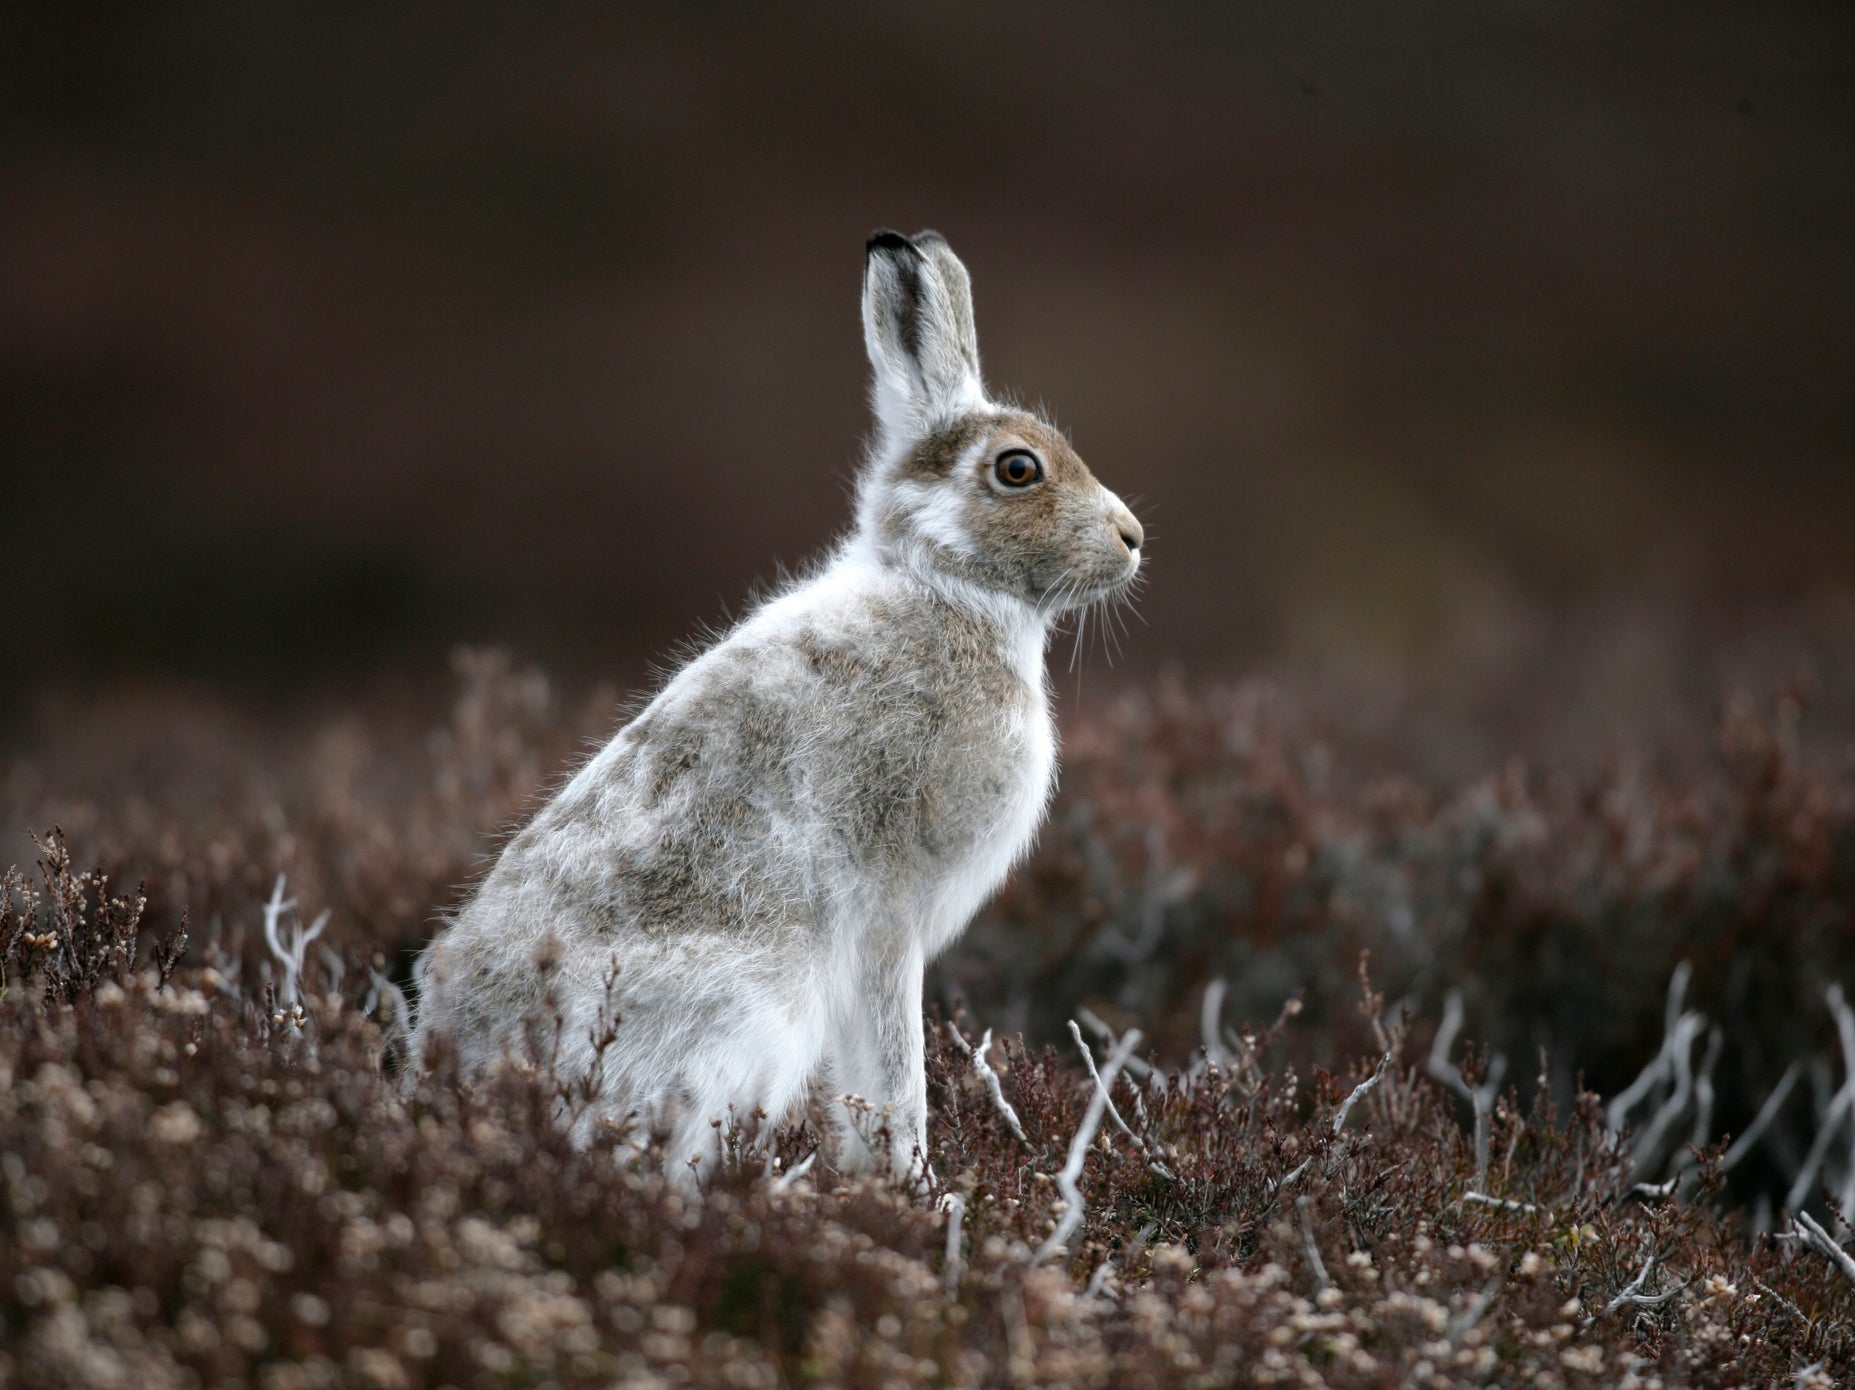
<point>1019,468</point>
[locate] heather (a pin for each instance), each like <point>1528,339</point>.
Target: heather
<point>1383,1071</point>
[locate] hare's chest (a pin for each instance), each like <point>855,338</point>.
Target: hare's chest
<point>1030,756</point>
<point>988,822</point>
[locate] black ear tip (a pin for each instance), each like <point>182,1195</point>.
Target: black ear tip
<point>882,239</point>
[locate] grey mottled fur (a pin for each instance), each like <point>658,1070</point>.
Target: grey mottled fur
<point>816,805</point>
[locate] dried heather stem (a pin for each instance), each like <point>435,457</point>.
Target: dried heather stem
<point>1066,1180</point>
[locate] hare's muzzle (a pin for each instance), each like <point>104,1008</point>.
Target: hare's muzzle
<point>1128,527</point>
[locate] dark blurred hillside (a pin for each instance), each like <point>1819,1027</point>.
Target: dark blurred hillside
<point>330,336</point>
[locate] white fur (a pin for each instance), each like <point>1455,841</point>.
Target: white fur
<point>805,815</point>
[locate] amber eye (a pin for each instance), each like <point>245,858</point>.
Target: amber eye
<point>1019,468</point>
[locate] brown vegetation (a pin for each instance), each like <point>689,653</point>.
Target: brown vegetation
<point>212,1175</point>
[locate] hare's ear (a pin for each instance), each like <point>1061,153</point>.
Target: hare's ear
<point>918,327</point>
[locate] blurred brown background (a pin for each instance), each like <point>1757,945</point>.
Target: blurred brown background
<point>333,335</point>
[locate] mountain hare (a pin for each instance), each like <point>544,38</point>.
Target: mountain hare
<point>754,872</point>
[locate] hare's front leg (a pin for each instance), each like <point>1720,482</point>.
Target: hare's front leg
<point>878,1055</point>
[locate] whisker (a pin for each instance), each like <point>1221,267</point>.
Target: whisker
<point>1132,607</point>
<point>1109,618</point>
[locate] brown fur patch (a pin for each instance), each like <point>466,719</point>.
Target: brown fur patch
<point>935,456</point>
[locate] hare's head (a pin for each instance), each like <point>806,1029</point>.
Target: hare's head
<point>971,489</point>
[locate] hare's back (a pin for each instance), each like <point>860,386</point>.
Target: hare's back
<point>820,757</point>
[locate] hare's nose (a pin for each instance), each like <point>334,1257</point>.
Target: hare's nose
<point>1133,536</point>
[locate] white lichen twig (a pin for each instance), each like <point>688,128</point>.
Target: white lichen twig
<point>1092,1021</point>
<point>293,954</point>
<point>955,1263</point>
<point>1673,1035</point>
<point>1482,1097</point>
<point>1210,1015</point>
<point>1099,1279</point>
<point>1703,1089</point>
<point>1835,1114</point>
<point>1631,1291</point>
<point>1146,1149</point>
<point>1504,1203</point>
<point>1315,1263</point>
<point>1761,1122</point>
<point>1291,1175</point>
<point>1674,1063</point>
<point>1359,1093</point>
<point>1811,1232</point>
<point>798,1170</point>
<point>333,967</point>
<point>1683,1088</point>
<point>1066,1180</point>
<point>983,1068</point>
<point>1631,1295</point>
